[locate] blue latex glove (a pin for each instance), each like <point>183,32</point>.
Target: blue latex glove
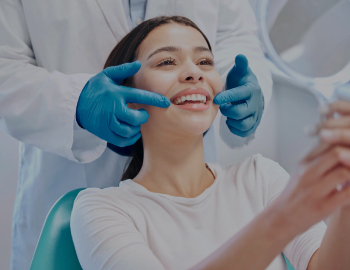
<point>102,106</point>
<point>247,101</point>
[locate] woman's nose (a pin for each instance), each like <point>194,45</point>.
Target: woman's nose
<point>192,74</point>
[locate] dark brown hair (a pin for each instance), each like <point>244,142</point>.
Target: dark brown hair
<point>126,52</point>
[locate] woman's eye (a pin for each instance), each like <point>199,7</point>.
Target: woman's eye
<point>207,62</point>
<point>167,62</point>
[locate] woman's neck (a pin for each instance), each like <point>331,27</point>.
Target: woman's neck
<point>174,165</point>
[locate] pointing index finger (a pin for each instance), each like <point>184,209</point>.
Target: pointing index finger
<point>236,94</point>
<point>121,72</point>
<point>146,97</point>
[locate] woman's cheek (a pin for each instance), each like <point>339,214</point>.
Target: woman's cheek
<point>159,82</point>
<point>217,84</point>
<point>157,117</point>
<point>216,109</point>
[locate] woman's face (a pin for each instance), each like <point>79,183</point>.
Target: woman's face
<point>177,63</point>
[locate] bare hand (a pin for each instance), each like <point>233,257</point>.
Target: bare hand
<point>321,182</point>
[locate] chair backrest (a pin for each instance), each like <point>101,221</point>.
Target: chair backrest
<point>289,266</point>
<point>55,249</point>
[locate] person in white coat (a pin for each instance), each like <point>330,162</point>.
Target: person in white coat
<point>49,50</point>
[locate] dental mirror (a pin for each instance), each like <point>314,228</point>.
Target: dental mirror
<point>309,41</point>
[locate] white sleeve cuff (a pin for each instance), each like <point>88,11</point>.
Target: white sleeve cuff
<point>85,146</point>
<point>230,139</point>
<point>76,125</point>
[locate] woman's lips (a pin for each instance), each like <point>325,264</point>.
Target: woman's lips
<point>194,106</point>
<point>190,104</point>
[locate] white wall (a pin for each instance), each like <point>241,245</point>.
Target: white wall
<point>8,184</point>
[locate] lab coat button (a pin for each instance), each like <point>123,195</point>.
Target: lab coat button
<point>138,21</point>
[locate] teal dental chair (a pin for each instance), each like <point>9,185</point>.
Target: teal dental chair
<point>55,249</point>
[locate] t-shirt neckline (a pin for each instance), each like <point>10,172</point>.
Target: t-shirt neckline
<point>179,200</point>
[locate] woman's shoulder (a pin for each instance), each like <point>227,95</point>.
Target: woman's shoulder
<point>96,202</point>
<point>255,162</point>
<point>97,192</point>
<point>93,197</point>
<point>259,178</point>
<point>255,168</point>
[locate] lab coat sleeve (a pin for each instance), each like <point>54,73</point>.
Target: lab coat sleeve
<point>37,106</point>
<point>237,33</point>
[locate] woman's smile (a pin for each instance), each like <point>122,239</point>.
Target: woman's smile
<point>193,99</point>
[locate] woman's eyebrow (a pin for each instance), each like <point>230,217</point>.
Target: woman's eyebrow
<point>178,49</point>
<point>202,49</point>
<point>165,49</point>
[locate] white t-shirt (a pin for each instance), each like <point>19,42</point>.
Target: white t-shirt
<point>131,228</point>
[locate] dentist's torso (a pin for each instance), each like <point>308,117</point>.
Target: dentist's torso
<point>76,36</point>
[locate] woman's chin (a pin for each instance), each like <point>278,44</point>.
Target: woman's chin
<point>181,122</point>
<point>194,128</point>
<point>194,123</point>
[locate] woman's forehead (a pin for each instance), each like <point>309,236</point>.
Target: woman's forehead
<point>173,35</point>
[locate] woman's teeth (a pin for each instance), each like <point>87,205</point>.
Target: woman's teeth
<point>193,97</point>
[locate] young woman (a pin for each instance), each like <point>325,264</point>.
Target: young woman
<point>173,211</point>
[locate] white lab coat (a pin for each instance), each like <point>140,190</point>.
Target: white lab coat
<point>48,51</point>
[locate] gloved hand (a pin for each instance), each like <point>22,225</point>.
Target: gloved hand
<point>102,105</point>
<point>247,101</point>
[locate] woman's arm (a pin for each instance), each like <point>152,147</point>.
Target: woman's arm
<point>335,248</point>
<point>254,247</point>
<point>309,197</point>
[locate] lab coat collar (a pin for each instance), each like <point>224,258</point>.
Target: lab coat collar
<point>156,8</point>
<point>114,13</point>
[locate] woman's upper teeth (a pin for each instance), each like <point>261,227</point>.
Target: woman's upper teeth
<point>193,97</point>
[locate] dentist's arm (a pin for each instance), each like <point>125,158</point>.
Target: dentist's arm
<point>237,34</point>
<point>102,107</point>
<point>38,107</point>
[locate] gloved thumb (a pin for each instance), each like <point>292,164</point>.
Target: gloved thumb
<point>241,64</point>
<point>121,72</point>
<point>237,72</point>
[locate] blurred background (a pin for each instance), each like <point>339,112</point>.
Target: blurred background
<point>296,30</point>
<point>8,183</point>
